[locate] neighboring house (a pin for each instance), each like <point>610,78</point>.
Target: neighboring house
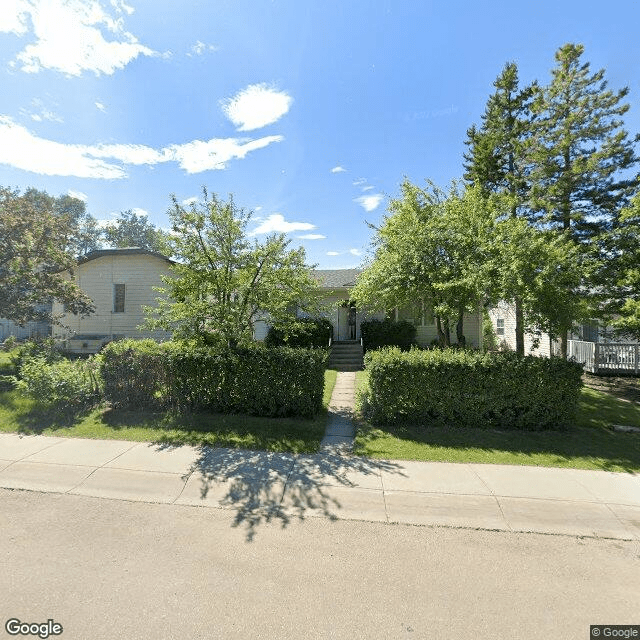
<point>29,331</point>
<point>120,282</point>
<point>336,285</point>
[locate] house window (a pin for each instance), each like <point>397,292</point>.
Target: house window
<point>118,298</point>
<point>500,326</point>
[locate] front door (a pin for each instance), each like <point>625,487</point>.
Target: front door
<point>342,330</point>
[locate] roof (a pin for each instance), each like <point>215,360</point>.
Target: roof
<point>126,251</point>
<point>336,278</point>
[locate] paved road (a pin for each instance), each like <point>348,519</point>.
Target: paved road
<point>115,569</point>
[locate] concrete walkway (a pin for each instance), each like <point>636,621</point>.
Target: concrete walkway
<point>338,437</point>
<point>261,486</point>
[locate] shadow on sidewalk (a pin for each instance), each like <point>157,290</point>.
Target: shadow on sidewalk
<point>264,487</point>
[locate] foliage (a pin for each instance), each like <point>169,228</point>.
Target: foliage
<point>45,350</point>
<point>431,248</point>
<point>223,282</point>
<point>63,384</point>
<point>470,389</point>
<point>306,333</point>
<point>36,245</point>
<point>253,380</point>
<point>387,333</point>
<point>134,230</point>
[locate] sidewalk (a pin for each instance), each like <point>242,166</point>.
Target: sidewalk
<point>496,497</point>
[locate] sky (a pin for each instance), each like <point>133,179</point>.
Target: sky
<point>310,112</point>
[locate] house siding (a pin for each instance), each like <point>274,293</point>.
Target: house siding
<point>140,273</point>
<point>427,333</point>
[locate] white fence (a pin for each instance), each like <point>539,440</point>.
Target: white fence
<point>601,356</point>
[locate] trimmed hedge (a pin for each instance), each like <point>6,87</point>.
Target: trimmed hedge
<point>464,388</point>
<point>304,333</point>
<point>387,333</point>
<point>253,380</point>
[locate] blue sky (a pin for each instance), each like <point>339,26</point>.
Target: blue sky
<point>309,112</point>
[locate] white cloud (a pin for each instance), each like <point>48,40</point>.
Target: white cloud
<point>256,106</point>
<point>333,253</point>
<point>276,223</point>
<point>101,107</point>
<point>359,182</point>
<point>78,194</point>
<point>39,112</point>
<point>22,149</point>
<point>363,189</point>
<point>312,236</point>
<point>355,252</point>
<point>70,35</point>
<point>338,169</point>
<point>369,203</point>
<point>199,48</point>
<point>140,212</point>
<point>188,201</point>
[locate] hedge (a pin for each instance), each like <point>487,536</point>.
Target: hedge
<point>253,380</point>
<point>305,333</point>
<point>470,389</point>
<point>387,333</point>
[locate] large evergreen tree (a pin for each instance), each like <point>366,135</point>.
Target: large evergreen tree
<point>580,157</point>
<point>496,160</point>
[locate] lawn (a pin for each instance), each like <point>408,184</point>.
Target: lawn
<point>18,414</point>
<point>589,444</point>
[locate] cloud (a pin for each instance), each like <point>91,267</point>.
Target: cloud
<point>101,107</point>
<point>70,35</point>
<point>256,106</point>
<point>199,48</point>
<point>338,169</point>
<point>22,149</point>
<point>363,189</point>
<point>359,182</point>
<point>369,203</point>
<point>355,252</point>
<point>188,201</point>
<point>312,236</point>
<point>140,212</point>
<point>276,223</point>
<point>39,112</point>
<point>78,195</point>
<point>333,253</point>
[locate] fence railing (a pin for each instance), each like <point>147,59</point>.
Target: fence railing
<point>606,356</point>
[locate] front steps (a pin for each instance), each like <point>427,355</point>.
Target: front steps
<point>346,355</point>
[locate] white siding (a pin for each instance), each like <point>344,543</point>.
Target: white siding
<point>427,333</point>
<point>140,273</point>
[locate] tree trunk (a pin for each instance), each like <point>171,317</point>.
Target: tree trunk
<point>462,341</point>
<point>564,343</point>
<point>519,327</point>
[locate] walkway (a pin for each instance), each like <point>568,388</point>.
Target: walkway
<point>338,437</point>
<point>259,486</point>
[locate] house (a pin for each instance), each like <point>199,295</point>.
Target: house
<point>120,283</point>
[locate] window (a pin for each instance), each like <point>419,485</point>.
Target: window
<point>118,298</point>
<point>500,326</point>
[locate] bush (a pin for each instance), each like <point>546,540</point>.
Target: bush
<point>41,349</point>
<point>387,333</point>
<point>254,380</point>
<point>463,388</point>
<point>65,385</point>
<point>305,333</point>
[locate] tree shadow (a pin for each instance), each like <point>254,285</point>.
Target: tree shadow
<point>262,486</point>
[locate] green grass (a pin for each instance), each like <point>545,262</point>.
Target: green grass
<point>589,444</point>
<point>19,414</point>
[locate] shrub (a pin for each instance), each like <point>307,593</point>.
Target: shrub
<point>41,349</point>
<point>470,389</point>
<point>387,333</point>
<point>255,380</point>
<point>66,385</point>
<point>306,333</point>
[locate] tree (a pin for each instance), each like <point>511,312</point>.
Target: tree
<point>580,153</point>
<point>134,230</point>
<point>496,160</point>
<point>223,281</point>
<point>34,251</point>
<point>432,249</point>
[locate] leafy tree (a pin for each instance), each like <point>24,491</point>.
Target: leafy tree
<point>134,230</point>
<point>223,281</point>
<point>496,160</point>
<point>432,247</point>
<point>34,250</point>
<point>580,155</point>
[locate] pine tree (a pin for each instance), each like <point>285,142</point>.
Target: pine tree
<point>496,160</point>
<point>579,153</point>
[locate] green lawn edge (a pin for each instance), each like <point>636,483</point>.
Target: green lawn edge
<point>293,435</point>
<point>589,444</point>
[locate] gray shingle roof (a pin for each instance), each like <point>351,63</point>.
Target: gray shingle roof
<point>127,251</point>
<point>336,278</point>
